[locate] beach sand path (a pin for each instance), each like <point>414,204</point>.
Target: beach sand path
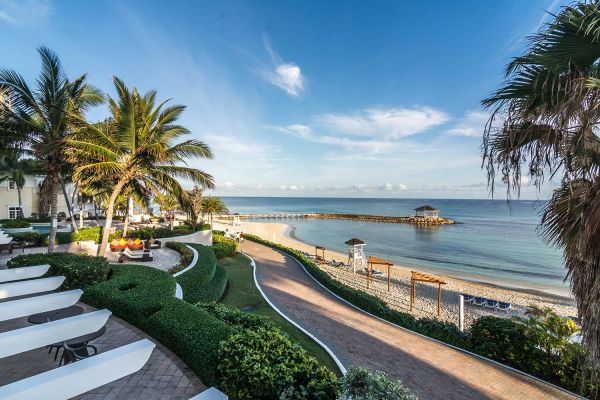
<point>430,369</point>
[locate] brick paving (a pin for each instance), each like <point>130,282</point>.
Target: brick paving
<point>164,377</point>
<point>432,370</point>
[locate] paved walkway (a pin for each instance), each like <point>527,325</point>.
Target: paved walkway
<point>430,369</point>
<point>163,377</point>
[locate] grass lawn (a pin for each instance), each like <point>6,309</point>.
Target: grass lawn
<point>242,293</point>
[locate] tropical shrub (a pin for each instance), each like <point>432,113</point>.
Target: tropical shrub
<point>202,273</point>
<point>16,223</point>
<point>361,383</point>
<point>500,339</point>
<point>223,247</point>
<point>79,270</point>
<point>192,334</point>
<point>235,317</point>
<point>443,331</point>
<point>31,239</point>
<point>263,363</point>
<point>186,256</point>
<point>156,233</point>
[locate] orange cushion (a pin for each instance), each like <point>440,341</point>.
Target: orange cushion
<point>129,242</point>
<point>114,242</point>
<point>122,242</point>
<point>137,241</point>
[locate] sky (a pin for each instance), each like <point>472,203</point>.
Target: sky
<point>301,98</point>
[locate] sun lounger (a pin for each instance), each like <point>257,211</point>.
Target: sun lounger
<point>151,244</point>
<point>503,306</point>
<point>468,298</point>
<point>6,240</point>
<point>142,256</point>
<point>491,304</point>
<point>479,301</point>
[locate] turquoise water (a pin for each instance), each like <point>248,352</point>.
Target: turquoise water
<point>494,242</point>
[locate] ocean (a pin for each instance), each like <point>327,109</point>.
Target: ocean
<point>493,242</point>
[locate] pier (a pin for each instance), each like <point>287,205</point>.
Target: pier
<point>413,220</point>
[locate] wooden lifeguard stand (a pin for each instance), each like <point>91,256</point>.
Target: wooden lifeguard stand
<point>236,220</point>
<point>417,276</point>
<point>356,254</point>
<point>378,261</point>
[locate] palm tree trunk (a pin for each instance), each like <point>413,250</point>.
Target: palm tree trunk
<point>109,215</point>
<point>126,222</point>
<point>20,203</point>
<point>71,216</point>
<point>75,192</point>
<point>96,211</point>
<point>80,214</point>
<point>54,184</point>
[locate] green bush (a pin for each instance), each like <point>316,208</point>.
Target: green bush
<point>91,233</point>
<point>361,383</point>
<point>156,233</point>
<point>263,364</point>
<point>202,227</point>
<point>133,293</point>
<point>502,340</point>
<point>223,247</point>
<point>202,273</point>
<point>16,223</point>
<point>212,291</point>
<point>443,331</point>
<point>31,239</point>
<point>192,334</point>
<point>235,317</point>
<point>186,256</point>
<point>79,270</point>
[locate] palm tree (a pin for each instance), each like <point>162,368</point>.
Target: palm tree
<point>195,198</point>
<point>136,147</point>
<point>211,206</point>
<point>168,205</point>
<point>15,169</point>
<point>545,124</point>
<point>41,119</point>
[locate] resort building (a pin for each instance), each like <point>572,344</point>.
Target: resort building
<point>30,198</point>
<point>427,211</point>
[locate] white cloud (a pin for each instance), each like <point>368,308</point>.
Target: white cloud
<point>227,185</point>
<point>390,123</point>
<point>285,75</point>
<point>390,187</point>
<point>472,124</point>
<point>18,12</point>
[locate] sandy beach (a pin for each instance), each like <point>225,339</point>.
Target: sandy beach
<point>426,304</point>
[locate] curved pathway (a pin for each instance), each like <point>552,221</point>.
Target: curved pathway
<point>432,370</point>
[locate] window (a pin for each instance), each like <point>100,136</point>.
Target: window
<point>12,184</point>
<point>14,212</point>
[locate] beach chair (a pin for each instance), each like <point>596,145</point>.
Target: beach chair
<point>468,298</point>
<point>479,301</point>
<point>491,304</point>
<point>151,244</point>
<point>504,306</point>
<point>142,256</point>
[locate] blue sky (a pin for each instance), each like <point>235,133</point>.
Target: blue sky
<point>301,98</point>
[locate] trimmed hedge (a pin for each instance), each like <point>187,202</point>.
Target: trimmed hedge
<point>235,317</point>
<point>157,233</point>
<point>192,334</point>
<point>223,247</point>
<point>31,239</point>
<point>212,291</point>
<point>15,223</point>
<point>79,270</point>
<point>133,293</point>
<point>186,256</point>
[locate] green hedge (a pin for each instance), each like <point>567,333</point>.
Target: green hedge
<point>156,233</point>
<point>133,293</point>
<point>31,239</point>
<point>235,317</point>
<point>79,270</point>
<point>265,364</point>
<point>212,291</point>
<point>192,334</point>
<point>91,233</point>
<point>15,223</point>
<point>186,256</point>
<point>223,247</point>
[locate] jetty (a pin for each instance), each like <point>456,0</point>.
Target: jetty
<point>417,219</point>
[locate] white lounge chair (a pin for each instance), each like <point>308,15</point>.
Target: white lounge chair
<point>21,288</point>
<point>38,304</point>
<point>77,378</point>
<point>141,255</point>
<point>211,394</point>
<point>17,274</point>
<point>6,240</point>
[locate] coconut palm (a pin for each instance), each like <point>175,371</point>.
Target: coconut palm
<point>14,169</point>
<point>195,198</point>
<point>544,124</point>
<point>211,206</point>
<point>136,147</point>
<point>42,117</point>
<point>168,205</point>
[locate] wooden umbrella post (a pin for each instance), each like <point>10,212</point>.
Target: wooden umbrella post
<point>421,277</point>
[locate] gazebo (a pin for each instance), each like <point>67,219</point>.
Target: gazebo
<point>378,261</point>
<point>356,254</point>
<point>417,276</point>
<point>427,211</point>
